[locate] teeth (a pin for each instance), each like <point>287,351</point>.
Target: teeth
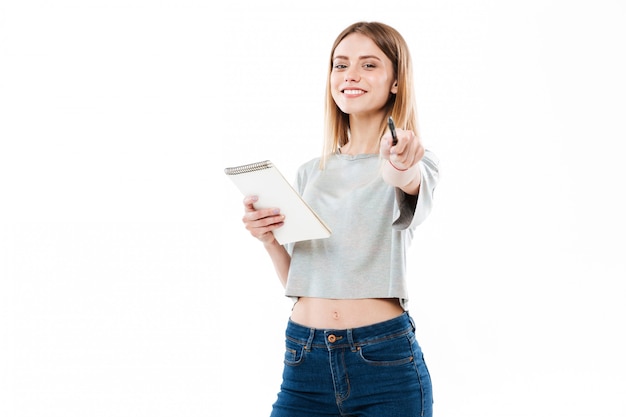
<point>353,91</point>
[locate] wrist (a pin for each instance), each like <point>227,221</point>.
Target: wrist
<point>269,244</point>
<point>400,177</point>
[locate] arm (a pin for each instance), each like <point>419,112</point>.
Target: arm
<point>408,180</point>
<point>280,259</point>
<point>261,224</point>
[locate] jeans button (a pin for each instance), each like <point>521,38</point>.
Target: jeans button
<point>332,338</point>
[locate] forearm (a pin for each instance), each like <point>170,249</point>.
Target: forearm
<point>408,180</point>
<point>280,258</point>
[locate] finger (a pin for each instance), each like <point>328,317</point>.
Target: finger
<point>415,155</point>
<point>398,153</point>
<point>267,224</point>
<point>249,201</point>
<point>263,226</point>
<point>409,160</point>
<point>408,145</point>
<point>388,140</point>
<point>255,215</point>
<point>398,162</point>
<point>420,153</point>
<point>266,235</point>
<point>403,143</point>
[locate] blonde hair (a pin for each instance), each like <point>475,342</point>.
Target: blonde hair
<point>400,106</point>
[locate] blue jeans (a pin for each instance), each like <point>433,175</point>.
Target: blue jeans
<point>371,371</point>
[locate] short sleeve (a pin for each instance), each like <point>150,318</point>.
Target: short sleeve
<point>415,208</point>
<point>299,184</point>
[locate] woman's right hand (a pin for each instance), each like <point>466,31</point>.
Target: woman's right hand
<point>261,223</point>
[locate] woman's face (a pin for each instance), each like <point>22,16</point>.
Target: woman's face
<point>362,76</point>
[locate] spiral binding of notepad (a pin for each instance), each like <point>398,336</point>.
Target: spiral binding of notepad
<point>257,166</point>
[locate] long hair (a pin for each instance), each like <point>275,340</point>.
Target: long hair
<point>401,106</point>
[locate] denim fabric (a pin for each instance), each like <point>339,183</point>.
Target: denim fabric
<point>371,371</point>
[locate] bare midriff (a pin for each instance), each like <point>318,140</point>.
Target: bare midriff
<point>323,313</point>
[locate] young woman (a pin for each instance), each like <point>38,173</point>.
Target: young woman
<point>350,342</point>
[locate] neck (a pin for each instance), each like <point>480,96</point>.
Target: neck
<point>364,136</point>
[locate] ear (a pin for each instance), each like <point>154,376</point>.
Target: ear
<point>394,88</point>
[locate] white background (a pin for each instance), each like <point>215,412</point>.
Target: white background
<point>128,286</point>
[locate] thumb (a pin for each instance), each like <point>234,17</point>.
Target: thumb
<point>249,201</point>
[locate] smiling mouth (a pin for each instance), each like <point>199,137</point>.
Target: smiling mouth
<point>353,92</point>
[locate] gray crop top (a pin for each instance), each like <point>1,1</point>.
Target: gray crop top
<point>372,226</point>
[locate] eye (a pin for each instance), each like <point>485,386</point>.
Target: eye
<point>369,65</point>
<point>339,66</point>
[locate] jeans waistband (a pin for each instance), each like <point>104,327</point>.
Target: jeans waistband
<point>359,336</point>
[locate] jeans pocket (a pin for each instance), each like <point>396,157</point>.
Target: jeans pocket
<point>392,352</point>
<point>294,353</point>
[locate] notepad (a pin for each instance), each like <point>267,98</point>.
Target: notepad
<point>264,180</point>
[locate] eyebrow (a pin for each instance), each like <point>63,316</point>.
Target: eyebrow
<point>360,58</point>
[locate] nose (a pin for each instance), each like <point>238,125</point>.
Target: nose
<point>352,74</point>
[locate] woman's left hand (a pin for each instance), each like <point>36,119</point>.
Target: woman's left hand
<point>406,153</point>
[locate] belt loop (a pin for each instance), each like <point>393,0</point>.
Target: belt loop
<point>411,320</point>
<point>309,342</point>
<point>350,340</point>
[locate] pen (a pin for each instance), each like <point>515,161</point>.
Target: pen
<point>392,128</point>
